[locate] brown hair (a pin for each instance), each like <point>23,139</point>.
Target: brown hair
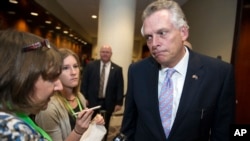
<point>20,69</point>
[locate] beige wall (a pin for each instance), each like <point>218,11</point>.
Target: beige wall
<point>211,26</point>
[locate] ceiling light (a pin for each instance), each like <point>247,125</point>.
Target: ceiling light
<point>94,16</point>
<point>48,22</point>
<point>13,1</point>
<point>58,27</point>
<point>34,13</point>
<point>65,32</point>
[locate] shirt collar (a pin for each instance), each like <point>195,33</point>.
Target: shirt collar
<point>181,67</point>
<point>107,64</point>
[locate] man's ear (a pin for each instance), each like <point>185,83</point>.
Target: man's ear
<point>184,33</point>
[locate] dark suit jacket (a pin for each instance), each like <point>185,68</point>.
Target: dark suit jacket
<point>114,89</point>
<point>207,102</point>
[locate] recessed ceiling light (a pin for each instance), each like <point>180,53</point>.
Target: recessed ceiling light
<point>58,27</point>
<point>65,32</point>
<point>94,16</point>
<point>34,13</point>
<point>48,22</point>
<point>13,1</point>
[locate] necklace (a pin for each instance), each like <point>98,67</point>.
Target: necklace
<point>71,109</point>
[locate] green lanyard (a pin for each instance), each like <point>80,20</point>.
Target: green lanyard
<point>30,122</point>
<point>71,109</point>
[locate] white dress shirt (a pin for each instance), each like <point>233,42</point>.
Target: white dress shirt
<point>178,79</point>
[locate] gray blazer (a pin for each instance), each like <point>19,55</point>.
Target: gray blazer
<point>55,119</point>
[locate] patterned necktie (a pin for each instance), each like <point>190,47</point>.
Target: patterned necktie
<point>102,77</point>
<point>166,101</point>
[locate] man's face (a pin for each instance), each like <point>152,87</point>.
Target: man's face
<point>105,54</point>
<point>165,41</point>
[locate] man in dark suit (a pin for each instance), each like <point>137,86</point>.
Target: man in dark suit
<point>110,96</point>
<point>202,87</point>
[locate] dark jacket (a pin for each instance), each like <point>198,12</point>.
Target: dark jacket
<point>207,102</point>
<point>114,90</point>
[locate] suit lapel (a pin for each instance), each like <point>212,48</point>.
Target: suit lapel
<point>97,68</point>
<point>153,82</point>
<point>192,83</point>
<point>153,73</point>
<point>111,72</point>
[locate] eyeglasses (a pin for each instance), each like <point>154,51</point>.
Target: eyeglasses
<point>44,43</point>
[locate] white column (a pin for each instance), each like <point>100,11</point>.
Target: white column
<point>116,28</point>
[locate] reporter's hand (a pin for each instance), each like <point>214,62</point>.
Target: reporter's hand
<point>99,119</point>
<point>83,120</point>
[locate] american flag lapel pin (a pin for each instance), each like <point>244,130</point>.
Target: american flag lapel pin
<point>195,76</point>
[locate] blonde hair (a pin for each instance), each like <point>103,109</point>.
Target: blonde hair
<point>65,52</point>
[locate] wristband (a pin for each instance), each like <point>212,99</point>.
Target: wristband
<point>77,132</point>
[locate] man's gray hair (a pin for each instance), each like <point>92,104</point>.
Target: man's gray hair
<point>177,16</point>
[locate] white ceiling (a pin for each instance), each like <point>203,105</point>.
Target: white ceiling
<point>81,11</point>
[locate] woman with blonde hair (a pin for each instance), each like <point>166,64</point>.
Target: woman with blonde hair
<point>60,120</point>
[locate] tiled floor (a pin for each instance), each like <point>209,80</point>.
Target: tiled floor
<point>115,125</point>
<point>114,128</point>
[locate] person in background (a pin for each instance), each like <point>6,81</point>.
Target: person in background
<point>30,67</point>
<point>110,96</point>
<point>176,94</point>
<point>60,120</point>
<point>84,62</point>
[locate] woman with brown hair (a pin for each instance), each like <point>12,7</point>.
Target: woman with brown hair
<point>30,67</point>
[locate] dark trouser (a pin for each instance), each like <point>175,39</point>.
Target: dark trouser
<point>106,115</point>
